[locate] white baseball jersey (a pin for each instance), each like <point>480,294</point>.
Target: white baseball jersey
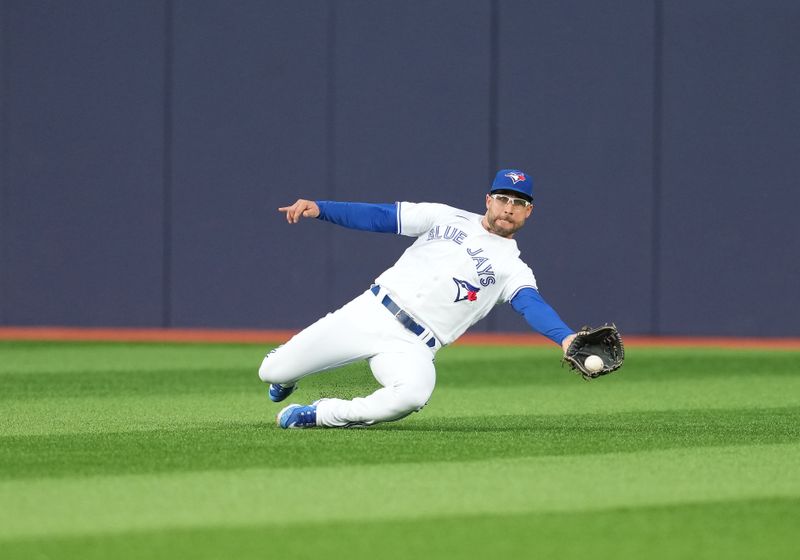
<point>455,272</point>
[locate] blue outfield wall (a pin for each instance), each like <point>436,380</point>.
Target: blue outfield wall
<point>146,146</point>
<point>82,163</point>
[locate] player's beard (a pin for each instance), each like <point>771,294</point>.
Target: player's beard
<point>503,224</point>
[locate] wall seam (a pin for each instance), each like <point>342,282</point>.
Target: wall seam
<point>657,177</point>
<point>166,255</point>
<point>494,86</point>
<point>4,159</point>
<point>494,71</point>
<point>330,142</point>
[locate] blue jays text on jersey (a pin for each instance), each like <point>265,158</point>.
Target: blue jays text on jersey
<point>450,232</point>
<point>456,235</point>
<point>483,266</point>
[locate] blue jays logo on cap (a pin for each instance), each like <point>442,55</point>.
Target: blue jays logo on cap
<point>515,177</point>
<point>513,180</point>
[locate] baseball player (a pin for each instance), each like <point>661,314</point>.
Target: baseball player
<point>459,267</point>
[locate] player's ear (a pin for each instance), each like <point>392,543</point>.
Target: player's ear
<point>488,201</point>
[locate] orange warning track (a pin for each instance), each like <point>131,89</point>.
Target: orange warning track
<point>277,336</point>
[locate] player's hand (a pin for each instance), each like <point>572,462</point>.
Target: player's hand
<point>567,341</point>
<point>300,209</point>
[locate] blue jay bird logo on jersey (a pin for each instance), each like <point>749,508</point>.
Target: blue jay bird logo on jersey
<point>515,177</point>
<point>466,291</point>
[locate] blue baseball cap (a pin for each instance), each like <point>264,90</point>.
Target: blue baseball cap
<point>513,180</point>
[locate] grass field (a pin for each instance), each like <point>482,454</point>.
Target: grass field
<point>171,451</point>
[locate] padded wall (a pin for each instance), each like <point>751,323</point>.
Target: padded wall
<point>146,146</point>
<point>729,245</point>
<point>83,163</point>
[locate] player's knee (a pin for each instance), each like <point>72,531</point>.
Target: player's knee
<point>269,372</point>
<point>276,369</point>
<point>263,371</point>
<point>413,396</point>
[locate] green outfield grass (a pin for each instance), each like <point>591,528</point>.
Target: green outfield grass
<point>171,451</point>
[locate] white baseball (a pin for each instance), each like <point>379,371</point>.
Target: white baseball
<point>593,363</point>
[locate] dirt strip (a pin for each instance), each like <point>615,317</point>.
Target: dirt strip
<point>278,336</point>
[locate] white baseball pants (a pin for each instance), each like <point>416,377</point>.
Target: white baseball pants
<point>361,330</point>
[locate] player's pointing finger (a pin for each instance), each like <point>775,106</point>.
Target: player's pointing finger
<point>300,209</point>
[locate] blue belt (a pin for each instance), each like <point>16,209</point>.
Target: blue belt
<point>404,318</point>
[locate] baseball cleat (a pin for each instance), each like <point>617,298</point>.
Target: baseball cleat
<point>278,392</point>
<point>298,416</point>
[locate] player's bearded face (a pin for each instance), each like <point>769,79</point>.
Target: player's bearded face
<point>504,219</point>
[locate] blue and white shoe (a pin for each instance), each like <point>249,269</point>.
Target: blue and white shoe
<point>278,392</point>
<point>298,416</point>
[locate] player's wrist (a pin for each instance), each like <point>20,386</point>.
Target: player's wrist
<point>566,341</point>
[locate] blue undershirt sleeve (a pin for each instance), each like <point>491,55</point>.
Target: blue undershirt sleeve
<point>540,316</point>
<point>360,215</point>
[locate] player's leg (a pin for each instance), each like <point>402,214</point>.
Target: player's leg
<point>408,379</point>
<point>335,340</point>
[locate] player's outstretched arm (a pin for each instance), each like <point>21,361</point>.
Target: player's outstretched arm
<point>541,317</point>
<point>300,209</point>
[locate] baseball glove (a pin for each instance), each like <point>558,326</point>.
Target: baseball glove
<point>604,342</point>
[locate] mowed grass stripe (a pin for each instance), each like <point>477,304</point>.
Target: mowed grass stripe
<point>38,370</point>
<point>617,395</point>
<point>296,497</point>
<point>424,439</point>
<point>126,411</point>
<point>742,529</point>
<point>29,357</point>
